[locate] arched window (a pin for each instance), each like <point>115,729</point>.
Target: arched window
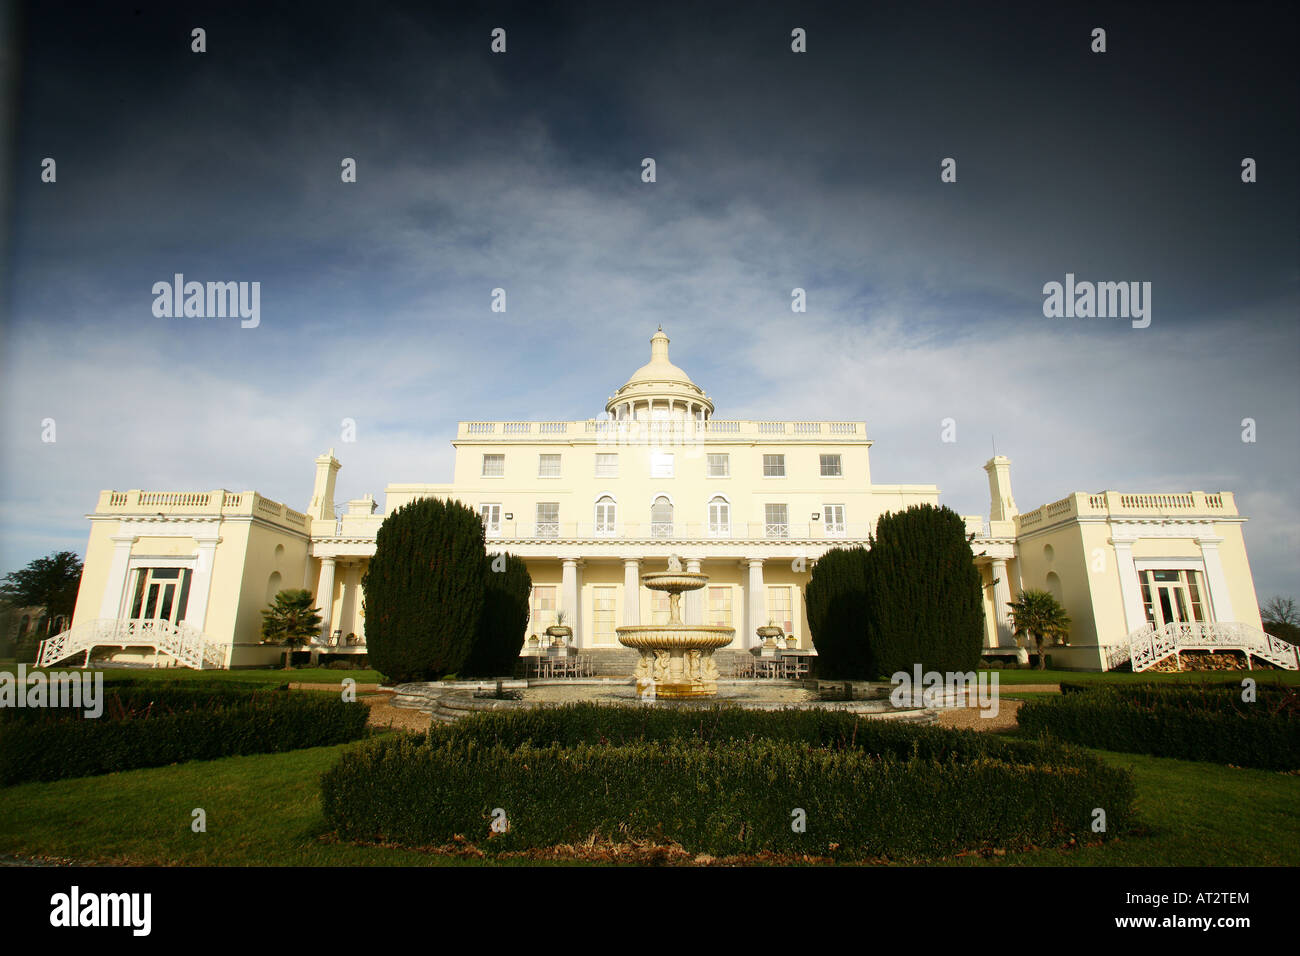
<point>661,518</point>
<point>719,518</point>
<point>606,516</point>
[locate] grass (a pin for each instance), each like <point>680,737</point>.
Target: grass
<point>1008,678</point>
<point>304,675</point>
<point>265,810</point>
<point>1193,814</point>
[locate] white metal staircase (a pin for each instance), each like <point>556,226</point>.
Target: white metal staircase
<point>184,642</point>
<point>1149,645</point>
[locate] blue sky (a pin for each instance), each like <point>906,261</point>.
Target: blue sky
<point>775,170</point>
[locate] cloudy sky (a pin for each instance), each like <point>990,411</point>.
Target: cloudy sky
<point>522,171</point>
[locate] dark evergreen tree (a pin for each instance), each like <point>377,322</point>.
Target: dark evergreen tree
<point>837,603</point>
<point>424,590</point>
<point>924,593</point>
<point>502,627</point>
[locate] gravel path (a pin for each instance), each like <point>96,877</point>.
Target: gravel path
<point>968,718</point>
<point>383,714</point>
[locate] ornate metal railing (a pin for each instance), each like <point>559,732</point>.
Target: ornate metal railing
<point>184,642</point>
<point>1150,644</point>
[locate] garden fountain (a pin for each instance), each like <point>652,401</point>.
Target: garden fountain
<point>676,659</point>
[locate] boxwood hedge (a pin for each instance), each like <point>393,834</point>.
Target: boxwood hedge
<point>153,725</point>
<point>723,781</point>
<point>1188,722</point>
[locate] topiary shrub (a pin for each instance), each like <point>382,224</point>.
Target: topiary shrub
<point>424,590</point>
<point>505,618</point>
<point>924,592</point>
<point>837,603</point>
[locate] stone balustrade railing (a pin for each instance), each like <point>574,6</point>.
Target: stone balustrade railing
<point>1115,503</point>
<point>643,430</point>
<point>219,502</point>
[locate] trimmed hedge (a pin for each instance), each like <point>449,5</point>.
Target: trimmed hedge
<point>927,604</point>
<point>1187,722</point>
<point>424,590</point>
<point>155,726</point>
<point>504,622</point>
<point>723,782</point>
<point>838,613</point>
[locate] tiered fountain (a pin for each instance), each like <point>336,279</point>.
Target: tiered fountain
<point>676,659</point>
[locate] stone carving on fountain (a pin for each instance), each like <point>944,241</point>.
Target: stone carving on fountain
<point>676,658</point>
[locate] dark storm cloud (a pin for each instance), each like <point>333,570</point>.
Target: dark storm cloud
<point>774,171</point>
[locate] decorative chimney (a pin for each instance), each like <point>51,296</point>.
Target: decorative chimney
<point>322,494</point>
<point>1002,506</point>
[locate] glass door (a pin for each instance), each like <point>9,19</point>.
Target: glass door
<point>161,594</point>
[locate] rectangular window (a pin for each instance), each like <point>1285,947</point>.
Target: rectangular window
<point>607,466</point>
<point>494,466</point>
<point>542,609</point>
<point>779,609</point>
<point>491,515</point>
<point>719,466</point>
<point>834,516</point>
<point>1146,597</point>
<point>776,521</point>
<point>548,466</point>
<point>774,466</point>
<point>1195,591</point>
<point>548,519</point>
<point>659,610</point>
<point>661,464</point>
<point>832,467</point>
<point>719,605</point>
<point>602,615</point>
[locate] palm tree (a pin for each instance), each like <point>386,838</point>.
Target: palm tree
<point>1038,615</point>
<point>291,620</point>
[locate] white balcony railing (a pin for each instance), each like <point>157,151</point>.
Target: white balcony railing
<point>681,531</point>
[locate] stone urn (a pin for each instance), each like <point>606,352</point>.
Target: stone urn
<point>559,634</point>
<point>770,633</point>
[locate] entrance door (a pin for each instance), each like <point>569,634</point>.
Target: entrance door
<point>161,594</point>
<point>1172,597</point>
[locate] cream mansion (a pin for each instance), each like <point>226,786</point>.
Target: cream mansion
<point>593,504</point>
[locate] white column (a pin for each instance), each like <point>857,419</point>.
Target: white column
<point>631,590</point>
<point>756,593</point>
<point>325,596</point>
<point>111,606</point>
<point>569,595</point>
<point>1002,597</point>
<point>351,601</point>
<point>1215,579</point>
<point>1130,588</point>
<point>694,599</point>
<point>196,610</point>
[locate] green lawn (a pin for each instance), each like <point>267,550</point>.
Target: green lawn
<point>306,675</point>
<point>1011,677</point>
<point>265,810</point>
<point>1193,814</point>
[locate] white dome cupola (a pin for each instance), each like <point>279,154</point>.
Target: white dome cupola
<point>660,391</point>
